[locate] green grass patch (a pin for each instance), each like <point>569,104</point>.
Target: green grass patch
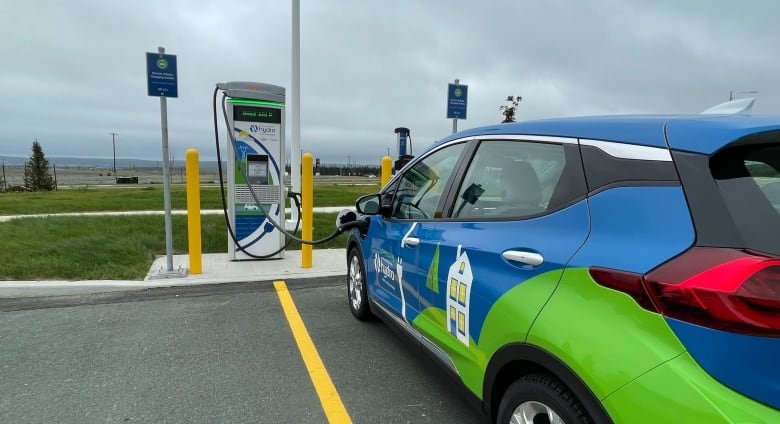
<point>151,198</point>
<point>91,200</point>
<point>341,194</point>
<point>124,247</point>
<point>110,247</point>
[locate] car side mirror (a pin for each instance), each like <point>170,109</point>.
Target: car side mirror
<point>375,204</point>
<point>368,204</point>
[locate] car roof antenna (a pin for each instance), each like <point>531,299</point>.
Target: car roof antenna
<point>732,107</point>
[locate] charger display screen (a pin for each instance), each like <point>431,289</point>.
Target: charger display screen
<point>257,114</point>
<point>257,169</point>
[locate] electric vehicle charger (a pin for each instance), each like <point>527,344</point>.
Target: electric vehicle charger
<point>291,195</point>
<point>345,221</point>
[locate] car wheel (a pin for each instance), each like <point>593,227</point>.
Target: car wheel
<point>539,398</point>
<point>356,286</point>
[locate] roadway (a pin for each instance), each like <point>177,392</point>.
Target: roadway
<point>210,353</point>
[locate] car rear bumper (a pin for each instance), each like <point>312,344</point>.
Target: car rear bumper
<point>679,390</point>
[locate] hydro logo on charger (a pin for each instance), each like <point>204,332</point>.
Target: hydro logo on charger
<point>264,130</point>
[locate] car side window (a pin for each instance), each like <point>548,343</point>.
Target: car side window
<point>767,178</point>
<point>420,187</point>
<point>510,179</point>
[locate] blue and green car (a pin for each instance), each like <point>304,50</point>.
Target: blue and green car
<point>620,269</point>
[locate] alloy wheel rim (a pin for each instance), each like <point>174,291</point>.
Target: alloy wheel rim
<point>533,412</point>
<point>355,283</point>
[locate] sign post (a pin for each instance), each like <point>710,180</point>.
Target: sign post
<point>162,82</point>
<point>457,99</point>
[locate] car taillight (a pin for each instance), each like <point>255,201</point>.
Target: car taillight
<point>724,289</point>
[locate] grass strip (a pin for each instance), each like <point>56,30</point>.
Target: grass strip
<point>111,247</point>
<point>150,198</point>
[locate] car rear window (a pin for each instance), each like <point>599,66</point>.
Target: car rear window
<point>748,178</point>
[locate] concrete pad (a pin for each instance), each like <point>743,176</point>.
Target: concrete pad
<point>216,269</point>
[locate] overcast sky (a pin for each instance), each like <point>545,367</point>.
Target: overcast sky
<point>74,71</point>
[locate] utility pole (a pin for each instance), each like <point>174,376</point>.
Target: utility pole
<point>295,108</point>
<point>113,142</point>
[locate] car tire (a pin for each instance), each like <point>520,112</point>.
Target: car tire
<point>540,398</point>
<point>357,293</point>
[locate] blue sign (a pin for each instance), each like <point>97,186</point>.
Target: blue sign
<point>457,96</point>
<point>161,75</point>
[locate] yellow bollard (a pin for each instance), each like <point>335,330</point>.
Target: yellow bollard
<point>387,169</point>
<point>193,211</point>
<point>307,207</point>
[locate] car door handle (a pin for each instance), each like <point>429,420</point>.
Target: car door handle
<point>529,258</point>
<point>411,241</point>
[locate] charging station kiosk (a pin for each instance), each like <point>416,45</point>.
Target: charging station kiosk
<point>256,169</point>
<point>404,140</point>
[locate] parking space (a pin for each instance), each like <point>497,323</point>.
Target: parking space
<point>379,377</point>
<point>222,353</point>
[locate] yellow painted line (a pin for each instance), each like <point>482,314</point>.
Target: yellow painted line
<point>329,397</point>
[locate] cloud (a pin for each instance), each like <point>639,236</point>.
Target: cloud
<point>75,71</point>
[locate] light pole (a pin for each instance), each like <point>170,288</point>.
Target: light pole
<point>732,93</point>
<point>113,142</point>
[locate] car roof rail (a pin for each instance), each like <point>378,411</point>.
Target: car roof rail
<point>732,107</point>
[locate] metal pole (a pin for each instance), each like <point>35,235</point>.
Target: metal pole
<point>387,169</point>
<point>307,209</point>
<point>193,211</point>
<point>166,180</point>
<point>295,103</point>
<point>113,142</point>
<point>455,120</point>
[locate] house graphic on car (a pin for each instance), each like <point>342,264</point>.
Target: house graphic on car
<point>458,297</point>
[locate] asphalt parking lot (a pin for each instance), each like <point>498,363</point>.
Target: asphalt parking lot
<point>212,354</point>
